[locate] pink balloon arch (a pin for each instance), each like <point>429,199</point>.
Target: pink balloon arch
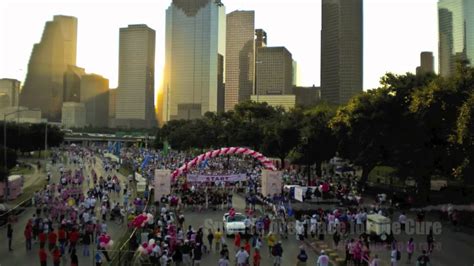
<point>223,151</point>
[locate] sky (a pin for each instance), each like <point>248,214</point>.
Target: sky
<point>395,32</point>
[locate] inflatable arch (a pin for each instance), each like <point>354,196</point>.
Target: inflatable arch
<point>223,151</point>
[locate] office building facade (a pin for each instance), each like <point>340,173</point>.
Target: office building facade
<point>456,34</point>
<point>341,50</point>
<point>49,59</point>
<point>135,105</point>
<point>274,68</point>
<point>195,37</point>
<point>95,97</point>
<point>72,84</point>
<point>73,115</point>
<point>10,88</point>
<point>260,38</point>
<point>240,58</point>
<point>426,63</point>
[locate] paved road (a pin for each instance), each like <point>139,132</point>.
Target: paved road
<point>19,255</point>
<point>452,247</point>
<point>207,218</point>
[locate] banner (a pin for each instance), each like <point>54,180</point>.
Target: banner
<point>299,193</point>
<point>216,178</point>
<point>162,183</point>
<point>271,182</point>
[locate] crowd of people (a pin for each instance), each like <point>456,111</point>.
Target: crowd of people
<point>72,210</point>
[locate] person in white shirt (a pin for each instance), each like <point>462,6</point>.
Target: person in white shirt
<point>375,261</point>
<point>242,257</point>
<point>402,219</point>
<point>393,256</point>
<point>323,259</point>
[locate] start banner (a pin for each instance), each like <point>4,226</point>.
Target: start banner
<point>216,178</point>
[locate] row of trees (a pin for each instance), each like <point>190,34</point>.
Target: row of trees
<point>421,125</point>
<point>24,138</point>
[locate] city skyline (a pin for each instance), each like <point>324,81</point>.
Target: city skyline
<point>98,43</point>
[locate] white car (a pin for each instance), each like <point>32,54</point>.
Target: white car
<point>234,225</point>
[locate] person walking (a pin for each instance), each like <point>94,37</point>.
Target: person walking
<point>28,236</point>
<point>430,240</point>
<point>237,240</point>
<point>241,257</point>
<point>223,261</point>
<point>302,257</point>
<point>9,236</point>
<point>423,260</point>
<point>56,254</point>
<point>323,259</point>
<point>210,238</point>
<point>98,258</point>
<point>277,253</point>
<point>74,258</point>
<point>410,250</point>
<point>43,257</point>
<point>218,236</point>
<point>52,238</point>
<point>375,261</point>
<point>336,238</point>
<point>256,257</point>
<point>394,255</point>
<point>42,238</point>
<point>197,255</point>
<point>86,241</point>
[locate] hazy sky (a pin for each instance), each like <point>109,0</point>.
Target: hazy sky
<point>395,32</point>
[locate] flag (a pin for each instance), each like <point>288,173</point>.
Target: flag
<point>166,148</point>
<point>145,161</point>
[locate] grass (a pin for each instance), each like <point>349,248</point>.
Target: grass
<point>125,171</point>
<point>381,174</point>
<point>22,170</point>
<point>29,191</point>
<point>42,155</point>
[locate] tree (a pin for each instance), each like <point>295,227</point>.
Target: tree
<point>464,136</point>
<point>11,162</point>
<point>318,142</point>
<point>281,134</point>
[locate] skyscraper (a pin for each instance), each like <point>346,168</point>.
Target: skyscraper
<point>72,84</point>
<point>49,59</point>
<point>274,70</point>
<point>195,37</point>
<point>341,50</point>
<point>260,38</point>
<point>240,57</point>
<point>94,95</point>
<point>456,33</point>
<point>10,88</point>
<point>135,106</point>
<point>426,63</point>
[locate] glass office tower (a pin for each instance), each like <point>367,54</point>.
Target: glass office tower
<point>456,33</point>
<point>195,37</point>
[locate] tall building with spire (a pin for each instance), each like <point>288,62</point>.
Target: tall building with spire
<point>240,57</point>
<point>341,50</point>
<point>195,37</point>
<point>135,104</point>
<point>43,88</point>
<point>456,34</point>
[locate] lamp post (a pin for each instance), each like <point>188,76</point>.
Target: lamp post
<point>255,78</point>
<point>7,192</point>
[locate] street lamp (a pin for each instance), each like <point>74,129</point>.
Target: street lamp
<point>255,78</point>
<point>7,192</point>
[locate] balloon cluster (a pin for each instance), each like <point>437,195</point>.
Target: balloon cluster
<point>147,248</point>
<point>141,220</point>
<point>105,241</point>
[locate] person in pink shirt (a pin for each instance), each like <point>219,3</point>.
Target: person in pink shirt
<point>357,253</point>
<point>410,249</point>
